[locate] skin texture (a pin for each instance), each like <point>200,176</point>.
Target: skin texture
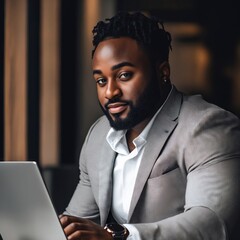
<point>125,80</point>
<point>128,85</point>
<point>78,228</point>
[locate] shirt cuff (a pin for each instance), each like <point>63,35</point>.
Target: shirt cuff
<point>133,232</point>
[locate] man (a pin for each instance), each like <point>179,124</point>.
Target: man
<point>159,164</point>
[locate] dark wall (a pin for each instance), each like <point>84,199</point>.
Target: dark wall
<point>33,76</point>
<point>69,23</point>
<point>221,23</point>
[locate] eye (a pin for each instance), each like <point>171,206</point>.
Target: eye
<point>101,81</point>
<point>125,76</point>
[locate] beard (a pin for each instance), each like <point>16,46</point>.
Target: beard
<point>146,105</point>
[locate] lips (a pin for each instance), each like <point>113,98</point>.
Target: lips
<point>116,108</point>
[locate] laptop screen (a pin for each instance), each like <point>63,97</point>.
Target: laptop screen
<point>26,210</point>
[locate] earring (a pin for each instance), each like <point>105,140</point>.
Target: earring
<point>165,79</point>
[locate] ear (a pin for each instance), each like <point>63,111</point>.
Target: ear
<point>163,69</point>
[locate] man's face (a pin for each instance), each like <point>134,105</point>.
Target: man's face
<point>126,82</point>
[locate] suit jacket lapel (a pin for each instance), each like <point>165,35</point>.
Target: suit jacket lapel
<point>106,163</point>
<point>162,127</point>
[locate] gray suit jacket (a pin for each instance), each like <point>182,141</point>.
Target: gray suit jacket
<point>188,182</point>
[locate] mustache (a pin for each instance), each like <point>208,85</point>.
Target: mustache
<point>116,100</point>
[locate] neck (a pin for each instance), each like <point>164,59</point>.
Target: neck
<point>135,132</point>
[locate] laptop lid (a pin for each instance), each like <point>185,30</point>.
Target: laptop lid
<point>26,210</point>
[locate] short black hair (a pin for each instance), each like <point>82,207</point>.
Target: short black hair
<point>148,31</point>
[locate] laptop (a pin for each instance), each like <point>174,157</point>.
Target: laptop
<point>26,210</point>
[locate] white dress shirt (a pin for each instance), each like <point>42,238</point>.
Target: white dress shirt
<point>125,172</point>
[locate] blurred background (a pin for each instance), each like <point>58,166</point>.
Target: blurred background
<point>47,94</point>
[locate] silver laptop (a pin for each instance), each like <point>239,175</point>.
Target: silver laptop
<point>26,210</point>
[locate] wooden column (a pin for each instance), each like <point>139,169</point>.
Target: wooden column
<point>49,82</point>
<point>15,82</point>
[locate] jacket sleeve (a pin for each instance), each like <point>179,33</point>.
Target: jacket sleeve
<point>211,157</point>
<point>198,223</point>
<point>82,203</point>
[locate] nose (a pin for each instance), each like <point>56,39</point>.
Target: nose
<point>112,90</point>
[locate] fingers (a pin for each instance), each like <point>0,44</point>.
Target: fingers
<point>78,235</point>
<point>89,235</point>
<point>79,228</point>
<point>72,224</point>
<point>66,220</point>
<point>85,235</point>
<point>76,227</point>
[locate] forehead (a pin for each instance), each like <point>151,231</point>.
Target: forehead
<point>115,50</point>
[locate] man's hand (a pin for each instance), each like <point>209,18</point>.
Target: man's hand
<point>80,228</point>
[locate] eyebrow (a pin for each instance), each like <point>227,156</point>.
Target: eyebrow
<point>119,65</point>
<point>97,72</point>
<point>122,64</point>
